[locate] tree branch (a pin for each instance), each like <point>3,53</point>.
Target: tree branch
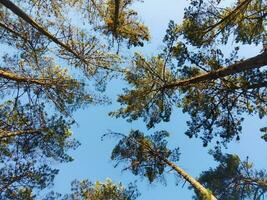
<point>251,63</point>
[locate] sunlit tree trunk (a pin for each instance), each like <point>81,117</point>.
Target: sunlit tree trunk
<point>206,195</point>
<point>23,79</point>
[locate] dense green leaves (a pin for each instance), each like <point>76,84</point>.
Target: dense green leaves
<point>85,190</point>
<point>212,22</point>
<point>119,21</point>
<point>29,141</point>
<point>143,155</point>
<point>234,179</point>
<point>39,95</point>
<point>215,103</point>
<point>149,99</point>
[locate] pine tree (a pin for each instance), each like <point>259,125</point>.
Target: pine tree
<point>46,65</point>
<point>193,72</point>
<point>234,179</point>
<point>149,156</point>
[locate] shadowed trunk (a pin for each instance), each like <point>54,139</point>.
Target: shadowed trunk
<point>251,63</point>
<point>116,16</point>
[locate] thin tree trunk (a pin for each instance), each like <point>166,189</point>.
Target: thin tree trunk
<point>116,16</point>
<point>205,194</point>
<point>21,79</point>
<point>233,12</point>
<point>251,63</point>
<point>194,183</point>
<point>20,13</point>
<point>8,134</point>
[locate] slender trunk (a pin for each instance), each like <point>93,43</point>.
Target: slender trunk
<point>232,13</point>
<point>21,79</point>
<point>116,16</point>
<point>251,63</point>
<point>202,191</point>
<point>20,13</point>
<point>8,134</point>
<point>194,183</point>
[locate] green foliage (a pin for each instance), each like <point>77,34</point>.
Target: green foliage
<point>143,155</point>
<point>234,179</point>
<point>216,106</point>
<point>29,140</point>
<point>38,95</point>
<point>147,100</point>
<point>264,130</point>
<point>22,194</point>
<point>121,22</point>
<point>85,190</point>
<point>211,23</point>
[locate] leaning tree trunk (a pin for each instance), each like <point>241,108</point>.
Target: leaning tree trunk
<point>20,13</point>
<point>23,79</point>
<point>251,63</point>
<point>205,194</point>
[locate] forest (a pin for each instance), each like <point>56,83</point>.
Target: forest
<point>133,99</point>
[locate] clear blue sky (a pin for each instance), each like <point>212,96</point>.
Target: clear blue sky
<point>92,159</point>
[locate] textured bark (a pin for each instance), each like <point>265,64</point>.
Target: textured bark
<point>21,79</point>
<point>8,134</point>
<point>251,63</point>
<point>193,182</point>
<point>116,16</point>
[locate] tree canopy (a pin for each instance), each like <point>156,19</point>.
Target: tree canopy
<point>58,56</point>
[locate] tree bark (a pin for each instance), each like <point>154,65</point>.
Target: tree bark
<point>116,15</point>
<point>194,183</point>
<point>251,63</point>
<point>205,194</point>
<point>7,134</point>
<point>21,79</point>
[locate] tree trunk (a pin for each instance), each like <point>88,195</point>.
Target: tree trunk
<point>20,13</point>
<point>7,134</point>
<point>206,195</point>
<point>228,17</point>
<point>116,16</point>
<point>21,79</point>
<point>251,63</point>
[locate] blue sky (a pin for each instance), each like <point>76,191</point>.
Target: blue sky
<point>92,158</point>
